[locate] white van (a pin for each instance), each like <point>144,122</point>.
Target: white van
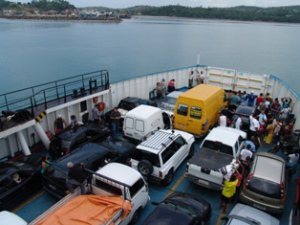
<point>142,121</point>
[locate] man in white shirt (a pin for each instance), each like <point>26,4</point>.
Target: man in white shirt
<point>254,126</point>
<point>246,153</point>
<point>223,120</point>
<point>238,123</point>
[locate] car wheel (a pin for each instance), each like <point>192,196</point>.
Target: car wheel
<point>136,216</point>
<point>168,178</point>
<point>192,150</point>
<point>145,167</point>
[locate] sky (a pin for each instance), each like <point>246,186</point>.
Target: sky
<point>191,3</point>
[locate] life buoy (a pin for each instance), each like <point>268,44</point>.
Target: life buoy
<point>95,99</point>
<point>101,106</point>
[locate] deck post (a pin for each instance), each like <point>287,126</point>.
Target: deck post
<point>23,143</point>
<point>43,136</point>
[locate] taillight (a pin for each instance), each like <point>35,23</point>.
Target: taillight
<point>282,190</point>
<point>246,182</point>
<point>160,174</point>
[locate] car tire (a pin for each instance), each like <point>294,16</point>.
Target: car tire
<point>136,216</point>
<point>168,178</point>
<point>191,151</point>
<point>145,167</point>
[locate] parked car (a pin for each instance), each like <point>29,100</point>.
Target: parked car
<point>265,186</point>
<point>158,157</point>
<point>218,149</point>
<point>127,104</point>
<point>168,103</point>
<point>66,141</point>
<point>18,181</point>
<point>10,218</point>
<point>247,215</point>
<point>92,155</point>
<point>244,112</point>
<point>180,208</point>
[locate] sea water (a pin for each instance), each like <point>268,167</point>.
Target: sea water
<point>38,51</point>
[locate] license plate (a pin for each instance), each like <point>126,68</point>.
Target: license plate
<point>203,182</point>
<point>259,207</point>
<point>52,187</point>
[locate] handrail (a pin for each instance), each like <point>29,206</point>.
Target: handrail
<point>42,94</point>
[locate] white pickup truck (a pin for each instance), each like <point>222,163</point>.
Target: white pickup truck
<point>217,150</point>
<point>119,194</point>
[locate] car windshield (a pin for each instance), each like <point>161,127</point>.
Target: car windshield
<point>144,155</point>
<point>218,146</point>
<point>264,187</point>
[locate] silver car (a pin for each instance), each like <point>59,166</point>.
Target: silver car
<point>246,215</point>
<point>265,186</point>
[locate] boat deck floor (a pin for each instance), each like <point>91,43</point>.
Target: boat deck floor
<point>42,201</point>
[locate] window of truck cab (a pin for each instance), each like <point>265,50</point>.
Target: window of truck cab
<point>182,109</point>
<point>196,112</point>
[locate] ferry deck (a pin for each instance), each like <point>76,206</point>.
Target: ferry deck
<point>228,79</point>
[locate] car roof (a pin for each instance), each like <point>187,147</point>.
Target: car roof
<point>70,134</point>
<point>158,141</point>
<point>225,135</point>
<point>253,214</point>
<point>268,167</point>
<point>120,172</point>
<point>167,215</point>
<point>82,153</point>
<point>143,111</point>
<point>174,94</point>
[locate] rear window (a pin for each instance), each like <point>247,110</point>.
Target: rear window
<point>182,110</point>
<point>264,187</point>
<point>196,112</point>
<point>126,105</point>
<point>218,146</point>
<point>144,155</point>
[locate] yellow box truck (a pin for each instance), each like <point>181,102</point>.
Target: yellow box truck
<point>198,109</point>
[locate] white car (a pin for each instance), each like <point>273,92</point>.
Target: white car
<point>10,218</point>
<point>169,102</point>
<point>247,215</point>
<point>158,157</point>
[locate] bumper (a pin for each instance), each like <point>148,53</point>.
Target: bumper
<point>276,208</point>
<point>204,183</point>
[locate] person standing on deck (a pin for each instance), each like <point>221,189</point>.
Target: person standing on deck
<point>171,85</point>
<point>76,177</point>
<point>115,117</point>
<point>223,120</point>
<point>74,123</point>
<point>228,192</point>
<point>59,124</point>
<point>96,115</point>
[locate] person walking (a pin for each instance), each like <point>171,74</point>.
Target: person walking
<point>76,177</point>
<point>115,117</point>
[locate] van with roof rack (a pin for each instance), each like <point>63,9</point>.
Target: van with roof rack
<point>158,157</point>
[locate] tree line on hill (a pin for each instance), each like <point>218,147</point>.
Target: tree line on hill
<point>290,14</point>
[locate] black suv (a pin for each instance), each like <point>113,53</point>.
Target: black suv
<point>92,155</point>
<point>69,139</point>
<point>127,104</point>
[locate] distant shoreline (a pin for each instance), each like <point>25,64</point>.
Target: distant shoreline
<point>60,18</point>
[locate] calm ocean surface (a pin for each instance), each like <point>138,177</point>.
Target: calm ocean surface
<point>34,52</point>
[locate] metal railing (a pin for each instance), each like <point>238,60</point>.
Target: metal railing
<point>38,98</point>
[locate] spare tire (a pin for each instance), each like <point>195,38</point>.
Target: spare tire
<point>145,167</point>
